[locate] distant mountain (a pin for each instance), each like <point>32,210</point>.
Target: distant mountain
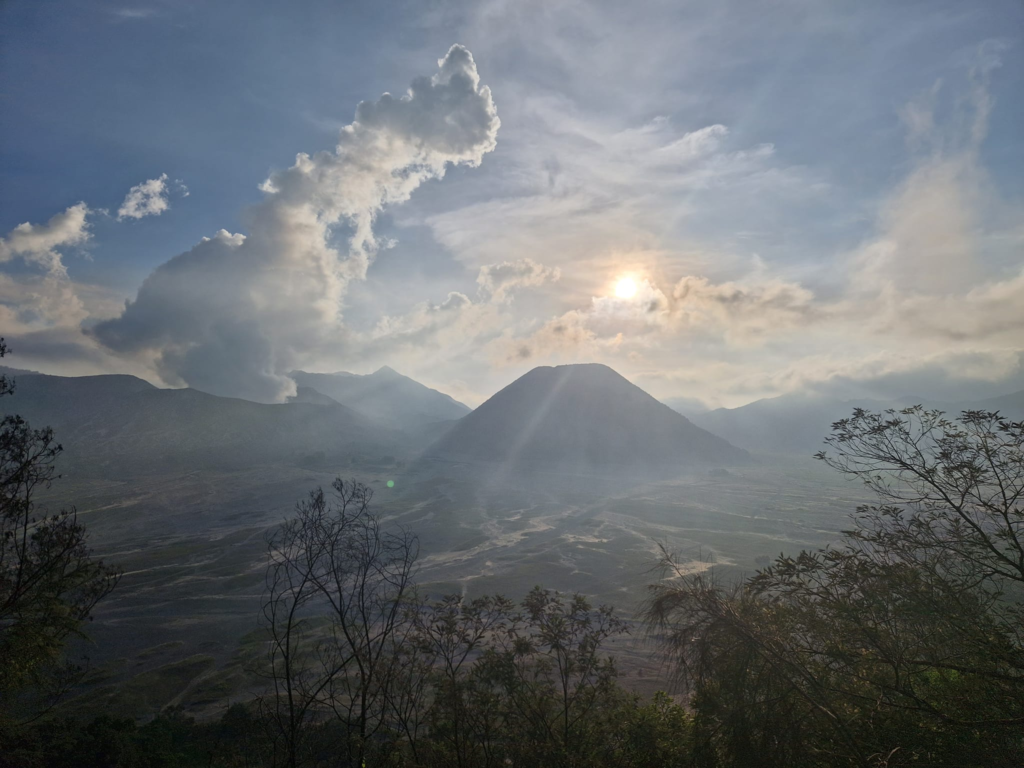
<point>310,395</point>
<point>385,396</point>
<point>798,424</point>
<point>688,406</point>
<point>581,418</point>
<point>415,436</point>
<point>1011,406</point>
<point>116,425</point>
<point>6,370</point>
<point>790,424</point>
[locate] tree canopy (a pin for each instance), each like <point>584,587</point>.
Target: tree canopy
<point>49,581</point>
<point>900,645</point>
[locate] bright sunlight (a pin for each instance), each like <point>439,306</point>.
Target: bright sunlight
<point>625,288</point>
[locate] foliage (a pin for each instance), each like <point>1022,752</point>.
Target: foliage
<point>49,582</point>
<point>900,646</point>
<point>365,672</point>
<point>171,740</point>
<point>334,608</point>
<point>537,691</point>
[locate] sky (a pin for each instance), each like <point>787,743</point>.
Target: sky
<point>722,201</point>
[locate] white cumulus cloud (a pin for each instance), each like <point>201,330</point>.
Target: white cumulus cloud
<point>150,198</point>
<point>41,307</point>
<point>38,243</point>
<point>234,314</point>
<point>45,295</point>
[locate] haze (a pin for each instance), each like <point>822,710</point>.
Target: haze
<point>558,383</point>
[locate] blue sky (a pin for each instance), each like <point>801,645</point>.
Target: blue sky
<point>805,195</point>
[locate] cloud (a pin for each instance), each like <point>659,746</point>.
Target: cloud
<point>742,311</point>
<point>892,373</point>
<point>992,312</point>
<point>132,14</point>
<point>41,308</point>
<point>608,323</point>
<point>928,242</point>
<point>456,327</point>
<point>150,198</point>
<point>38,243</point>
<point>930,227</point>
<point>738,312</point>
<point>568,336</point>
<point>422,324</point>
<point>948,375</point>
<point>875,262</point>
<point>32,299</point>
<point>648,308</point>
<point>235,313</point>
<point>584,190</point>
<point>935,290</point>
<point>944,266</point>
<point>35,301</point>
<point>499,280</point>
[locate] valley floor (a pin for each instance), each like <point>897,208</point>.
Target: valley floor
<point>181,628</point>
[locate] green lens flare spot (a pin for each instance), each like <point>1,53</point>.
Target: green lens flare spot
<point>391,483</point>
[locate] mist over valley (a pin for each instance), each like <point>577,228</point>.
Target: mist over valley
<point>571,477</point>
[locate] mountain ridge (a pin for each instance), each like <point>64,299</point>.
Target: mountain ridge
<point>581,417</point>
<point>385,396</point>
<point>119,424</point>
<point>796,424</point>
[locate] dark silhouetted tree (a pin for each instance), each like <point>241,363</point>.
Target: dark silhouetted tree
<point>901,645</point>
<point>335,607</point>
<point>49,582</point>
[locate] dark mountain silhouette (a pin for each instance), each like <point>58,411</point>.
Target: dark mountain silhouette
<point>123,425</point>
<point>385,396</point>
<point>581,418</point>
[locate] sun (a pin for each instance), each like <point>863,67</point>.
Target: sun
<point>625,288</point>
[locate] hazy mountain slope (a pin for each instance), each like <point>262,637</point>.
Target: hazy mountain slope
<point>688,406</point>
<point>385,396</point>
<point>790,424</point>
<point>799,424</point>
<point>581,418</point>
<point>310,395</point>
<point>1011,406</point>
<point>121,424</point>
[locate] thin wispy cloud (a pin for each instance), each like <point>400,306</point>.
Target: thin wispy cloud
<point>132,14</point>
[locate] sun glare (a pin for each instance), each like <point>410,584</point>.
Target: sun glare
<point>625,288</point>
